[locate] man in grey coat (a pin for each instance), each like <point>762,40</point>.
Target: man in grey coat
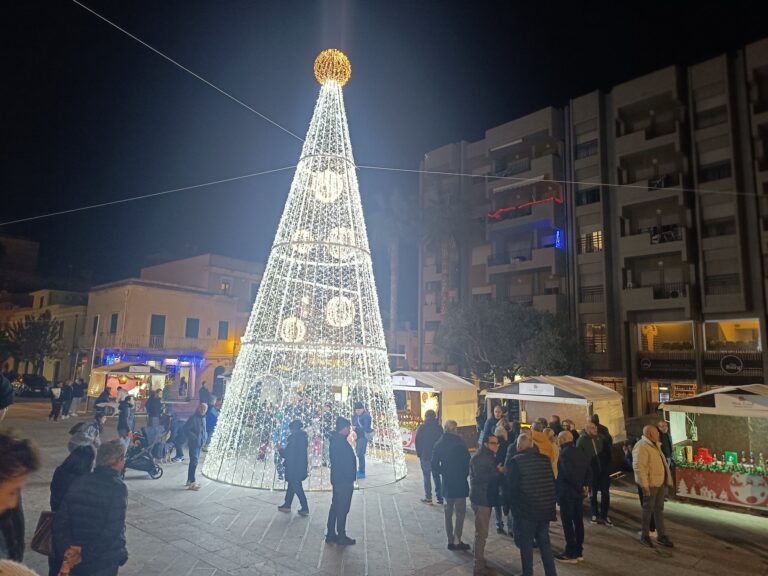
<point>483,494</point>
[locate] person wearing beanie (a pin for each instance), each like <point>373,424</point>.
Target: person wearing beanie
<point>362,424</point>
<point>343,473</point>
<point>296,465</point>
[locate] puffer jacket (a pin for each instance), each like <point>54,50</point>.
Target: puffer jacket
<point>93,516</point>
<point>295,454</point>
<point>532,487</point>
<point>194,431</point>
<point>650,465</point>
<point>450,459</point>
<point>343,461</point>
<point>426,436</point>
<point>483,478</point>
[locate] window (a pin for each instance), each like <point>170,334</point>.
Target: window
<point>591,294</point>
<point>595,338</point>
<point>586,149</point>
<point>711,117</point>
<point>719,227</point>
<point>225,285</point>
<point>433,286</point>
<point>591,242</point>
<point>113,323</point>
<point>192,328</point>
<point>254,291</point>
<point>223,329</point>
<point>157,325</point>
<point>431,325</point>
<point>715,171</point>
<point>588,196</point>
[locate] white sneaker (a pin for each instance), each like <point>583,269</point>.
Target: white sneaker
<point>194,487</point>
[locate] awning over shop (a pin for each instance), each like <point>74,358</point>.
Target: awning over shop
<point>101,375</point>
<point>555,389</point>
<point>429,381</point>
<point>750,400</point>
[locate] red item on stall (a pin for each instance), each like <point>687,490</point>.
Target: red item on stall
<point>703,456</point>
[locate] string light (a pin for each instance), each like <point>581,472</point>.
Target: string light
<point>314,344</point>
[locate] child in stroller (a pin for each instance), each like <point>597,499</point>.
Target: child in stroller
<point>139,455</point>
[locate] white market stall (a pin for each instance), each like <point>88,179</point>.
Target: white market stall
<point>568,397</point>
<point>136,378</point>
<point>451,397</point>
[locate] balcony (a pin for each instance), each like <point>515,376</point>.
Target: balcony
<point>667,239</point>
<point>658,189</point>
<point>552,303</point>
<point>667,364</point>
<point>659,134</point>
<point>724,368</point>
<point>538,258</point>
<point>671,296</point>
<point>547,166</point>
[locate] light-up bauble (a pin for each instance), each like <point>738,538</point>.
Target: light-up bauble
<point>293,329</point>
<point>341,240</point>
<point>327,185</point>
<point>339,312</point>
<point>332,64</point>
<point>302,241</point>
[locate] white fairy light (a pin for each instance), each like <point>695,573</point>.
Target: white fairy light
<point>314,344</point>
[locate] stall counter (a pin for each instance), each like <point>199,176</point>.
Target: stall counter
<point>723,486</point>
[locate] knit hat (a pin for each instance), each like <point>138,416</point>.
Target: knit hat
<point>342,423</point>
<point>8,568</point>
<point>296,425</point>
<point>359,405</point>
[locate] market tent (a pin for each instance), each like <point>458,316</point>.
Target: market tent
<point>578,399</point>
<point>101,374</point>
<point>459,397</point>
<point>750,400</point>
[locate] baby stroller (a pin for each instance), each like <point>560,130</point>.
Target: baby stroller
<point>139,455</point>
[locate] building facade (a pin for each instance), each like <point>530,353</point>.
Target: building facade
<point>641,213</point>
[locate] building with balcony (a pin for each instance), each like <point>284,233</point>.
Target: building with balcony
<point>642,213</point>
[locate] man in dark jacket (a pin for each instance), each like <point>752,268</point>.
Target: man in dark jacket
<point>574,475</point>
<point>665,439</point>
<point>126,420</point>
<point>78,393</point>
<point>532,492</point>
<point>450,460</point>
<point>592,444</point>
<point>154,408</point>
<point>554,423</point>
<point>483,494</point>
<point>195,433</point>
<point>426,435</point>
<point>6,396</point>
<point>490,424</point>
<point>204,394</point>
<point>363,426</point>
<point>296,465</point>
<point>66,399</point>
<point>343,466</point>
<point>92,516</point>
<point>602,484</point>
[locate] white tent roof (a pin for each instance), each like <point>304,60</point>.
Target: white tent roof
<point>556,389</point>
<point>748,400</point>
<point>438,381</point>
<point>128,368</point>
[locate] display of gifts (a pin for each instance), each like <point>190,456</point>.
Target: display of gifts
<point>703,456</point>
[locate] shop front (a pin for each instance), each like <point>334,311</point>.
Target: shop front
<point>136,378</point>
<point>720,445</point>
<point>451,397</point>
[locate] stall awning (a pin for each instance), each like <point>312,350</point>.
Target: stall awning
<point>748,400</point>
<point>555,389</point>
<point>136,368</point>
<point>429,381</point>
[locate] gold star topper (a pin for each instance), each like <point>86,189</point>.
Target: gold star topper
<point>332,64</point>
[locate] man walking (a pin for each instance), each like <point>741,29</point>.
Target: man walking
<point>592,444</point>
<point>532,487</point>
<point>483,494</point>
<point>66,400</point>
<point>296,465</point>
<point>652,476</point>
<point>450,461</point>
<point>78,393</point>
<point>154,409</point>
<point>343,482</point>
<point>126,420</point>
<point>195,433</point>
<point>92,516</point>
<point>572,485</point>
<point>427,434</point>
<point>362,424</point>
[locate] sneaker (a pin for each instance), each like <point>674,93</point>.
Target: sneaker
<point>303,512</point>
<point>463,546</point>
<point>580,557</point>
<point>607,521</point>
<point>284,508</point>
<point>194,486</point>
<point>345,541</point>
<point>565,559</point>
<point>425,500</point>
<point>664,541</point>
<point>440,501</point>
<point>500,530</point>
<point>177,459</point>
<point>646,541</point>
<point>594,520</point>
<point>330,539</point>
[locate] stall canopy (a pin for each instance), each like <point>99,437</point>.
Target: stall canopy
<point>101,374</point>
<point>579,399</point>
<point>750,400</point>
<point>429,381</point>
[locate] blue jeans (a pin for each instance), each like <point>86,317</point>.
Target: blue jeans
<point>361,446</point>
<point>429,475</point>
<point>572,515</point>
<point>525,532</point>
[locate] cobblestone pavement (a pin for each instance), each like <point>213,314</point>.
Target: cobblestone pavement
<point>229,531</point>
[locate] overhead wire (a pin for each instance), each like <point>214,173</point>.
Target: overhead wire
<point>188,71</point>
<point>143,196</point>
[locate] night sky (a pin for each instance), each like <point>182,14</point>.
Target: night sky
<point>90,115</point>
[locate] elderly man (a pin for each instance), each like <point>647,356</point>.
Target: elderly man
<point>573,478</point>
<point>450,460</point>
<point>92,516</point>
<point>653,476</point>
<point>427,434</point>
<point>592,445</point>
<point>196,434</point>
<point>483,494</point>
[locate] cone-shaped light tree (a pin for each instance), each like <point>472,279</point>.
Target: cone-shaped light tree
<point>314,344</point>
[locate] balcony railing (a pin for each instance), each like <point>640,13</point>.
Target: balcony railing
<point>591,294</point>
<point>722,284</point>
<point>664,181</point>
<point>671,290</point>
<point>525,300</point>
<point>515,167</point>
<point>156,340</point>
<point>502,258</point>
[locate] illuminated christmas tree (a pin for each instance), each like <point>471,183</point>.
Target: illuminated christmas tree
<point>314,344</point>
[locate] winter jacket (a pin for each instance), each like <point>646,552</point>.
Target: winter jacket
<point>362,423</point>
<point>488,428</point>
<point>6,392</point>
<point>343,461</point>
<point>450,459</point>
<point>666,443</point>
<point>64,477</point>
<point>194,431</point>
<point>93,517</point>
<point>66,393</point>
<point>12,533</point>
<point>592,447</point>
<point>532,487</point>
<point>126,420</point>
<point>544,444</point>
<point>102,398</point>
<point>483,478</point>
<point>426,436</point>
<point>78,390</point>
<point>650,465</point>
<point>573,473</point>
<point>295,454</point>
<point>211,419</point>
<point>204,395</point>
<point>87,434</point>
<point>557,427</point>
<point>606,454</point>
<point>154,407</point>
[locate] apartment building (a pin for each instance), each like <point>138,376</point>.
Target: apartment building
<point>655,240</point>
<point>185,316</point>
